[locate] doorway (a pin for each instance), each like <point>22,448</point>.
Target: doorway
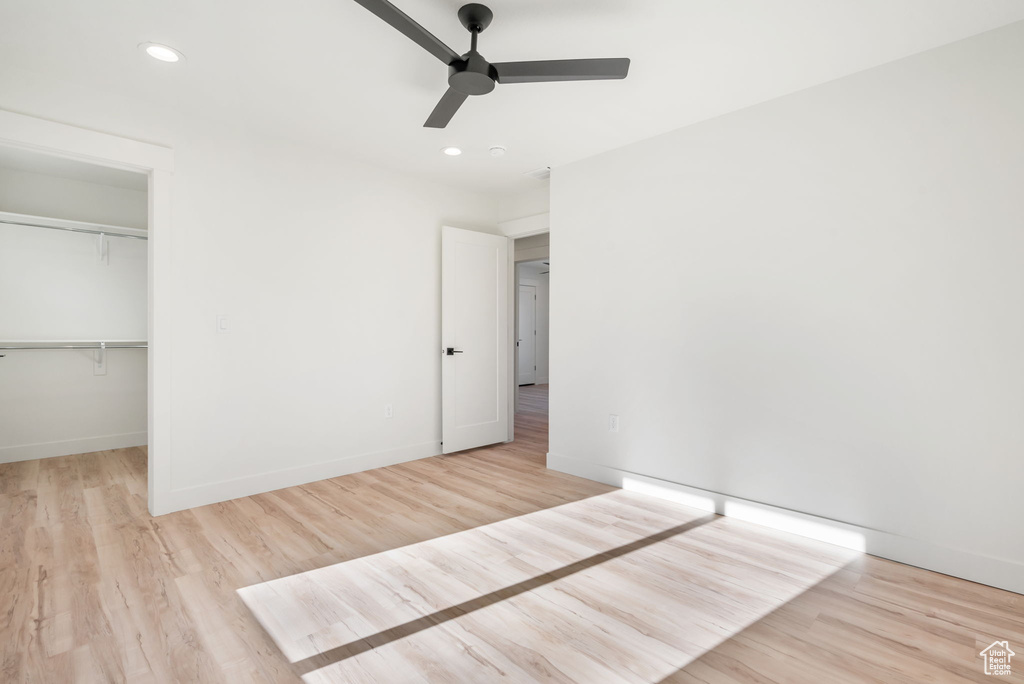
<point>58,144</point>
<point>73,322</point>
<point>531,336</point>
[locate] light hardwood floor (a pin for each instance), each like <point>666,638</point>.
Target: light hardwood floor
<point>477,567</point>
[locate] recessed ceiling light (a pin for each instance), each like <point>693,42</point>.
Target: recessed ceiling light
<point>161,52</point>
<point>451,151</point>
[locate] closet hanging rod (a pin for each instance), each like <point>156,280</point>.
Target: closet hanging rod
<point>90,231</point>
<point>7,346</point>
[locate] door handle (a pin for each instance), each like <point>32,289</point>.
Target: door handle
<point>452,351</point>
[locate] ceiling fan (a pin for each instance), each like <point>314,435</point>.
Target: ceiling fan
<point>471,74</point>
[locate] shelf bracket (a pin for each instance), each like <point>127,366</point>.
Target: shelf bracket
<point>102,248</point>
<point>100,360</point>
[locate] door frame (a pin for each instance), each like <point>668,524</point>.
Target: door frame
<point>157,162</point>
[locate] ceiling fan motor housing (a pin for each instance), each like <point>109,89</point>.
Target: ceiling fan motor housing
<point>472,75</point>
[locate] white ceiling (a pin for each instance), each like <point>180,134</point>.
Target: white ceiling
<point>329,73</point>
<point>34,162</point>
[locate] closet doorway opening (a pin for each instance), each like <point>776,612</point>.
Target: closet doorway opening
<point>74,321</point>
<point>531,335</point>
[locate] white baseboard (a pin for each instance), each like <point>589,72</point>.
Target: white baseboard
<point>85,445</point>
<point>995,572</point>
<point>202,495</point>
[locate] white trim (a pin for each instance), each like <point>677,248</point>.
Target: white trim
<point>996,572</point>
<point>71,142</point>
<point>160,352</point>
<point>527,226</point>
<point>30,452</point>
<point>511,302</point>
<point>201,495</point>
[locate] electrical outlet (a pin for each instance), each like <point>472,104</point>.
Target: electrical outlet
<point>613,423</point>
<point>389,412</point>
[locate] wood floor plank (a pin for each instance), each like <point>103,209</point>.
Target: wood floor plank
<point>476,567</point>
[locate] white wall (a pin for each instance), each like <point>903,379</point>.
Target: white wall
<point>818,305</point>
<point>23,192</point>
<point>51,404</point>
<point>329,273</point>
<point>530,274</point>
<point>524,204</point>
<point>525,213</point>
<point>53,286</point>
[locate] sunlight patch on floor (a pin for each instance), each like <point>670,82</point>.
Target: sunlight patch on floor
<point>617,587</point>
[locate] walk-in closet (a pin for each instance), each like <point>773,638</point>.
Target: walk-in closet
<point>73,311</point>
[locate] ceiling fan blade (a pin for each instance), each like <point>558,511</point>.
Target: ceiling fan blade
<point>445,109</point>
<point>562,70</point>
<point>401,21</point>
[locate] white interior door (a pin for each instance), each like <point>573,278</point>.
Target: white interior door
<point>475,335</point>
<point>527,341</point>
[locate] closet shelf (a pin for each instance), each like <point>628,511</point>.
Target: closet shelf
<point>72,226</point>
<point>61,344</point>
